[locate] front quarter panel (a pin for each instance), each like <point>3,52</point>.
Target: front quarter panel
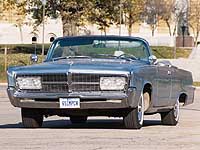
<point>141,76</point>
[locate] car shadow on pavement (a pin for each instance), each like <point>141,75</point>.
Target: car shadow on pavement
<point>7,126</point>
<point>90,124</point>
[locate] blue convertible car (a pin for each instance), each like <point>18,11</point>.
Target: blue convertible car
<point>99,76</point>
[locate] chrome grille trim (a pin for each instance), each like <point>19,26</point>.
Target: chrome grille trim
<point>80,82</point>
<point>55,82</point>
<point>86,83</point>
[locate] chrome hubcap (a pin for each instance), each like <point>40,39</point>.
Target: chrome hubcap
<point>176,110</point>
<point>141,110</point>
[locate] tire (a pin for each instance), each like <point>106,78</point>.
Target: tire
<point>78,119</point>
<point>171,117</point>
<point>31,118</point>
<point>135,118</point>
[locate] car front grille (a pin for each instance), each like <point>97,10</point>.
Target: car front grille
<point>63,83</point>
<point>84,82</point>
<point>55,83</point>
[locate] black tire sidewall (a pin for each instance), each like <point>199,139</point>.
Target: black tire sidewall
<point>31,118</point>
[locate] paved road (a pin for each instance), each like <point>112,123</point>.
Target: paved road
<point>99,133</point>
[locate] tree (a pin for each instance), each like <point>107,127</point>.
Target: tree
<point>181,17</point>
<point>166,15</point>
<point>153,12</point>
<point>194,19</point>
<point>103,13</point>
<point>8,5</point>
<point>107,12</point>
<point>133,9</point>
<point>72,13</point>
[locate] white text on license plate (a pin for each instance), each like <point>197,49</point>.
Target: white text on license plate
<point>69,102</point>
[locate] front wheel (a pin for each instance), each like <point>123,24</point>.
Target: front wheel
<point>171,117</point>
<point>135,118</point>
<point>31,118</point>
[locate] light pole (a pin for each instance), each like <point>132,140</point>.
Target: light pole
<point>43,26</point>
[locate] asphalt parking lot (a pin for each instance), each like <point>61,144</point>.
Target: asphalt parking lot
<point>99,132</point>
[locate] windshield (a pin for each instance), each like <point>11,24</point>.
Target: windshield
<point>97,48</point>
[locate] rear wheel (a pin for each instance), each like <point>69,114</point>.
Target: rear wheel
<point>78,119</point>
<point>134,119</point>
<point>31,118</point>
<point>171,117</point>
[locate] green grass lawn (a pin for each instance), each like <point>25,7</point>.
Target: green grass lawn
<point>196,84</point>
<point>167,52</point>
<point>16,59</point>
<point>12,60</point>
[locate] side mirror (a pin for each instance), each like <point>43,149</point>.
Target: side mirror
<point>33,58</point>
<point>152,59</point>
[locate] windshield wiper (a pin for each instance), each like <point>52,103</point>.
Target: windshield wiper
<point>69,57</point>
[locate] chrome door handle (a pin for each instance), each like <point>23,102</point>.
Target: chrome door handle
<point>169,72</point>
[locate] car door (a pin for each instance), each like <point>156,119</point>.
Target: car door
<point>163,79</point>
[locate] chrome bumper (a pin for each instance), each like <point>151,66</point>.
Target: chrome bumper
<point>113,100</point>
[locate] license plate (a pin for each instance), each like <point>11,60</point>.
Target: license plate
<point>69,102</point>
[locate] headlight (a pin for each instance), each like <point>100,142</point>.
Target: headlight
<point>112,83</point>
<point>27,83</point>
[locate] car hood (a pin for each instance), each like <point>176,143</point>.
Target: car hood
<point>80,66</point>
